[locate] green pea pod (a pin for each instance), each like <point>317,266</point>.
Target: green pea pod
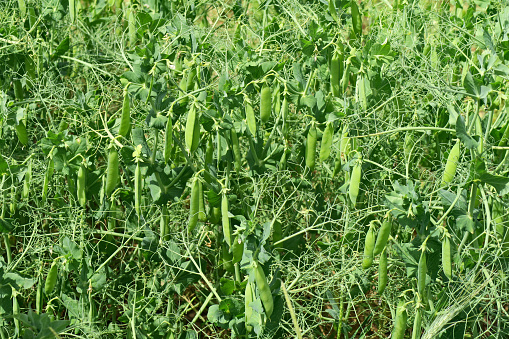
<point>360,91</point>
<point>22,134</point>
<point>192,132</point>
<point>18,89</point>
<point>131,24</point>
<point>265,103</point>
<point>168,140</point>
<point>356,18</point>
<point>194,205</point>
<point>335,72</point>
<point>344,145</point>
<point>250,116</point>
<point>209,152</point>
<point>447,256</point>
<point>422,269</point>
<point>72,10</point>
<point>332,11</point>
<point>400,322</point>
<point>125,119</point>
<point>451,164</point>
<point>416,331</point>
<point>236,151</point>
<point>47,178</point>
<point>249,297</point>
<point>227,230</point>
<point>277,102</point>
<point>27,180</point>
<point>284,116</point>
<point>328,135</point>
<point>191,79</point>
<point>346,76</point>
<point>383,237</point>
<point>137,189</point>
<point>112,172</point>
<point>382,272</point>
<point>369,245</point>
<point>51,278</point>
<point>202,216</point>
<point>227,257</point>
<point>215,215</point>
<point>82,185</point>
<point>407,145</point>
<point>264,289</point>
<point>355,180</point>
<point>311,148</point>
<point>22,8</point>
<point>164,226</point>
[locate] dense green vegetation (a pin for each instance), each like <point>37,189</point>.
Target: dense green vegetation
<point>254,169</point>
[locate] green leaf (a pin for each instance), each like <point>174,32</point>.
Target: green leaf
<point>472,85</point>
<point>62,48</point>
<point>465,223</point>
<point>462,134</point>
<point>5,226</point>
<point>500,183</point>
<point>18,281</point>
<point>227,286</point>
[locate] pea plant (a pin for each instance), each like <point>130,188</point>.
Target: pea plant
<point>254,169</point>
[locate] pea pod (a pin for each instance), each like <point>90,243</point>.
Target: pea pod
<point>131,24</point>
<point>51,278</point>
<point>368,247</point>
<point>27,180</point>
<point>311,148</point>
<point>400,322</point>
<point>72,10</point>
<point>383,236</point>
<point>284,116</point>
<point>332,11</point>
<point>346,76</point>
<point>248,310</point>
<point>416,331</point>
<point>227,258</point>
<point>192,132</point>
<point>194,205</point>
<point>382,272</point>
<point>191,79</point>
<point>137,189</point>
<point>356,18</point>
<point>422,269</point>
<point>355,180</point>
<point>202,216</point>
<point>451,164</point>
<point>265,103</point>
<point>335,72</point>
<point>112,172</point>
<point>277,102</point>
<point>250,116</point>
<point>264,289</point>
<point>209,152</point>
<point>447,256</point>
<point>47,178</point>
<point>125,119</point>
<point>168,140</point>
<point>328,135</point>
<point>360,91</point>
<point>227,231</point>
<point>236,151</point>
<point>82,185</point>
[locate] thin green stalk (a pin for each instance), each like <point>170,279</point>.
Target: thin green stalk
<point>292,312</point>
